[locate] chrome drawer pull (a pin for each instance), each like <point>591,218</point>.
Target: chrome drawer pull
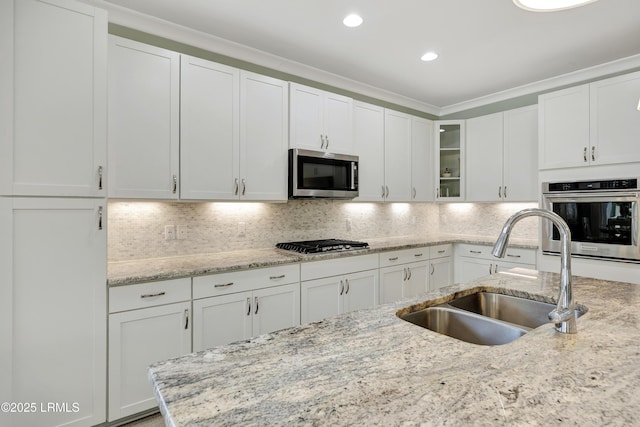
<point>159,294</point>
<point>277,277</point>
<point>417,255</point>
<point>395,258</point>
<point>476,252</point>
<point>513,256</point>
<point>222,285</point>
<point>441,251</point>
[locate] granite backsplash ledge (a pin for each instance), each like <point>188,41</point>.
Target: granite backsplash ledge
<point>136,228</point>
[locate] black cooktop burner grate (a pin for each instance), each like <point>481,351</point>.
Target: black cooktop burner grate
<point>319,246</point>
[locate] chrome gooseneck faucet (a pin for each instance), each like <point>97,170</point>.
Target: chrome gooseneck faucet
<point>564,315</point>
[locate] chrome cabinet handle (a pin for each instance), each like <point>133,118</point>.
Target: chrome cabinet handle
<point>433,269</point>
<point>222,285</point>
<point>99,177</point>
<point>237,186</point>
<point>100,218</point>
<point>244,186</point>
<point>504,192</point>
<point>404,277</point>
<point>347,282</point>
<point>386,193</point>
<point>277,277</point>
<point>490,265</point>
<point>326,138</point>
<point>159,294</point>
<point>584,154</point>
<point>341,287</point>
<point>175,184</point>
<point>500,192</point>
<point>414,193</point>
<point>248,306</point>
<point>257,306</point>
<point>186,318</point>
<point>593,153</point>
<point>409,272</point>
<point>438,193</point>
<point>495,268</point>
<point>383,191</point>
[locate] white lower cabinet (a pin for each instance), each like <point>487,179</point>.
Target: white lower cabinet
<point>53,310</point>
<point>236,306</point>
<point>474,261</point>
<point>401,276</point>
<point>148,323</point>
<point>352,286</point>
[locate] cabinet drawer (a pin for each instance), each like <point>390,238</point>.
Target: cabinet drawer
<point>474,251</point>
<point>150,294</point>
<point>403,256</point>
<point>440,251</point>
<point>518,255</point>
<point>336,267</point>
<point>246,280</point>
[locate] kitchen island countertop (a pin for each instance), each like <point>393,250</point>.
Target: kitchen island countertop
<point>370,367</point>
<point>144,270</point>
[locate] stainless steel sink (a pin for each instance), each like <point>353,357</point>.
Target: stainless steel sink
<point>465,326</point>
<point>521,311</point>
<point>485,318</point>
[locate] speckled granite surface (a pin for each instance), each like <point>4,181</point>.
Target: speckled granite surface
<point>372,368</point>
<point>129,272</point>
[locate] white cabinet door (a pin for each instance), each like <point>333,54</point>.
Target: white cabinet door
<point>275,308</point>
<point>264,136</point>
<point>368,137</point>
<point>440,273</point>
<point>391,281</point>
<point>221,320</point>
<point>338,123</point>
<point>137,339</point>
<point>53,109</point>
<point>306,117</point>
<point>421,160</point>
<point>361,290</point>
<point>563,128</point>
<point>615,120</point>
<point>143,110</point>
<point>321,298</point>
<point>209,129</point>
<point>320,120</point>
<point>53,308</point>
<point>520,174</point>
<point>468,269</point>
<point>484,158</point>
<point>416,282</point>
<point>397,156</point>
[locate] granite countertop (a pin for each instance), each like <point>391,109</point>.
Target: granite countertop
<point>145,270</point>
<point>371,368</point>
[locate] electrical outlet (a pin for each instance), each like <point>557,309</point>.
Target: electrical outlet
<point>169,232</point>
<point>242,229</point>
<point>181,232</point>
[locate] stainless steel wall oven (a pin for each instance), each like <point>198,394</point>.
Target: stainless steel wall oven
<point>603,217</point>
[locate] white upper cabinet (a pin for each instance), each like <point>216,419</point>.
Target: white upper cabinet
<point>449,162</point>
<point>397,156</point>
<point>209,129</point>
<point>421,160</point>
<point>368,139</point>
<point>53,99</point>
<point>264,133</point>
<point>615,120</point>
<point>563,120</point>
<point>320,120</point>
<point>144,107</point>
<point>591,124</point>
<point>501,156</point>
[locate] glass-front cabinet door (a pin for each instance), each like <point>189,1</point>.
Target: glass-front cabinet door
<point>449,156</point>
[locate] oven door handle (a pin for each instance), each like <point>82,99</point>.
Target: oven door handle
<point>590,197</point>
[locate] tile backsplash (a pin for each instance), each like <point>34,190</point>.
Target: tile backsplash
<point>136,230</point>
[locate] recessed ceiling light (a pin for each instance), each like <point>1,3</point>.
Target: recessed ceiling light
<point>549,5</point>
<point>429,56</point>
<point>352,20</point>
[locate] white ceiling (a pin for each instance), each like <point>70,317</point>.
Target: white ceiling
<point>485,46</point>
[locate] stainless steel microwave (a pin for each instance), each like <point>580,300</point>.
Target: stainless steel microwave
<point>316,174</point>
<point>603,217</point>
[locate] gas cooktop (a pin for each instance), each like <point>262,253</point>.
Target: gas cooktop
<point>319,246</point>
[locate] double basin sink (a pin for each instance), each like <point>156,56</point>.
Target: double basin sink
<point>485,318</point>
